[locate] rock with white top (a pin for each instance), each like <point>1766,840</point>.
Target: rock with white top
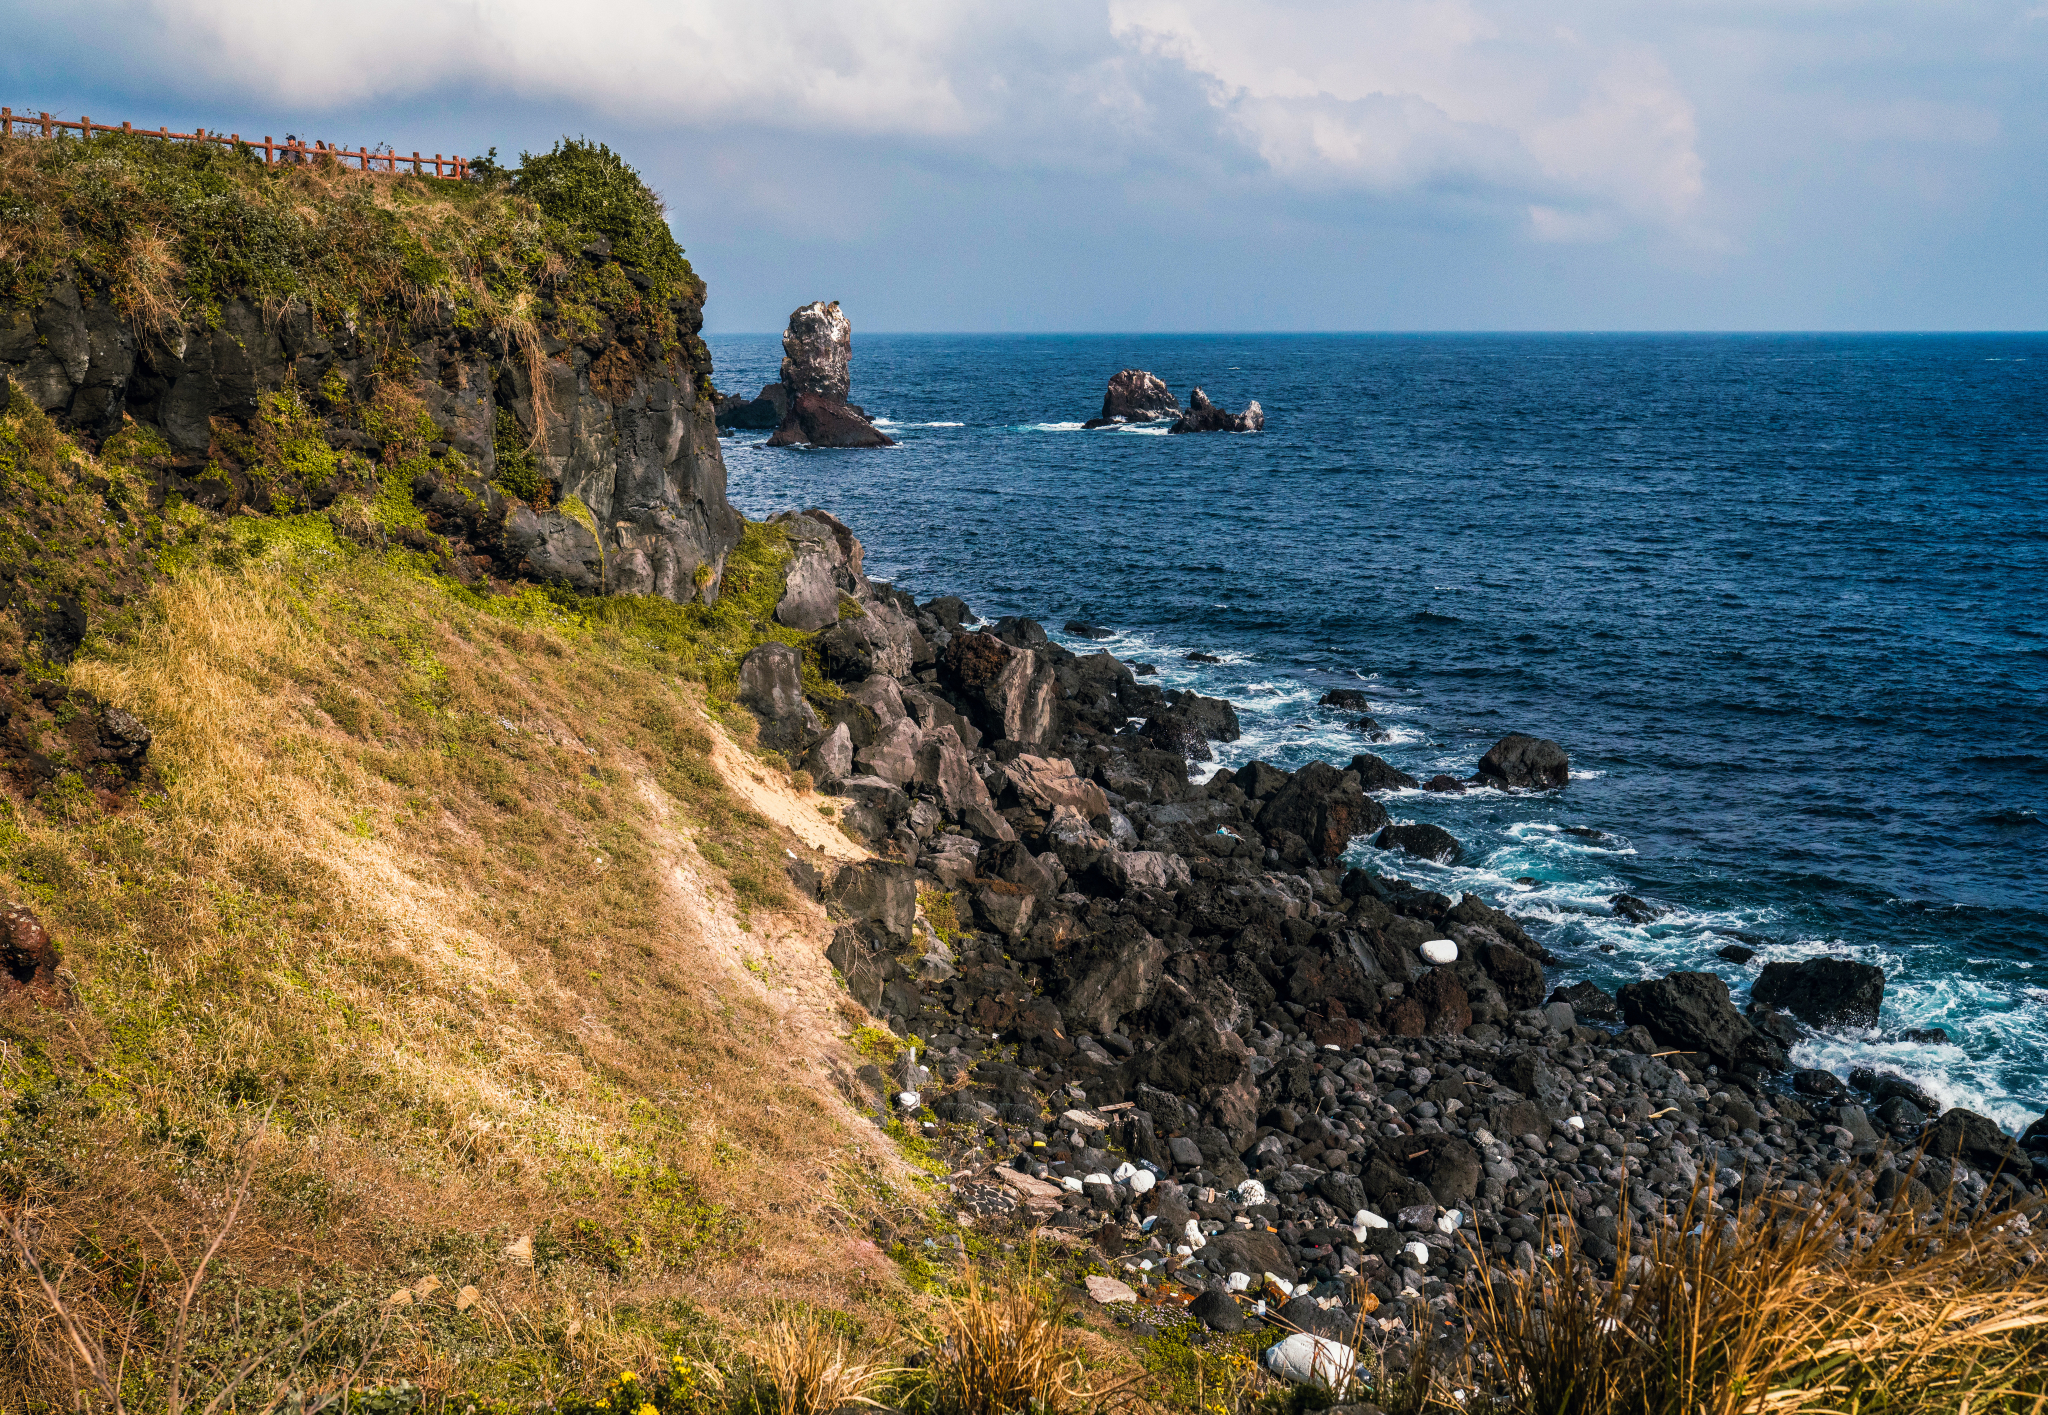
<point>1312,1360</point>
<point>1416,1254</point>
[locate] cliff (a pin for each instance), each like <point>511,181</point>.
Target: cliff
<point>507,374</point>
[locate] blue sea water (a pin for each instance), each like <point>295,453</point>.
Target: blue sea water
<point>1783,598</point>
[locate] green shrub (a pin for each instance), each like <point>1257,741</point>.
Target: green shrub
<point>588,186</point>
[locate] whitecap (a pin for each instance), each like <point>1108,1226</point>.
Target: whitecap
<point>939,424</point>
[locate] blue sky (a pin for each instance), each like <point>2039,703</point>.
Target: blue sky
<point>1191,164</point>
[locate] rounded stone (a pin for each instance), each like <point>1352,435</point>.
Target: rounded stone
<point>1440,951</point>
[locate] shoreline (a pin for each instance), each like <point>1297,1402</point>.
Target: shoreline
<point>1154,977</point>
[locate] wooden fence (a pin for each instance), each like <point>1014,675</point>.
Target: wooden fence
<point>291,152</point>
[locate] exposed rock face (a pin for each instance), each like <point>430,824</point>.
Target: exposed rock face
<point>1204,416</point>
<point>1527,763</point>
<point>1135,396</point>
<point>772,688</point>
<point>816,351</point>
<point>1823,992</point>
<point>1424,842</point>
<point>618,426</point>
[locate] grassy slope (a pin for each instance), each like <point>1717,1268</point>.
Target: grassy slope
<point>418,917</point>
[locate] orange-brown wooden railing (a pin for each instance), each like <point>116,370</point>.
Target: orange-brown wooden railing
<point>288,153</point>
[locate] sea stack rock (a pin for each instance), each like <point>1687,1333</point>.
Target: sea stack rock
<point>1136,396</point>
<point>1204,416</point>
<point>816,349</point>
<point>762,413</point>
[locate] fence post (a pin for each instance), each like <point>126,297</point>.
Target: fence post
<point>46,124</point>
<point>84,126</point>
<point>7,122</point>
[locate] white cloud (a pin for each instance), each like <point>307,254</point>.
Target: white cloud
<point>1391,95</point>
<point>1590,136</point>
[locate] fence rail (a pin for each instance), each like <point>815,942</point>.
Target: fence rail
<point>288,153</point>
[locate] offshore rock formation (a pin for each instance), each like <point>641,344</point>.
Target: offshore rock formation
<point>627,482</point>
<point>1135,396</point>
<point>1204,416</point>
<point>1176,1023</point>
<point>817,350</point>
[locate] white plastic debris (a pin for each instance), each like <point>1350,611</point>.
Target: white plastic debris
<point>909,1100</point>
<point>1577,1122</point>
<point>1184,1250</point>
<point>1368,1219</point>
<point>1440,951</point>
<point>1238,1282</point>
<point>1251,1193</point>
<point>1286,1287</point>
<point>1312,1360</point>
<point>1450,1221</point>
<point>1123,1171</point>
<point>1142,1181</point>
<point>1417,1254</point>
<point>1070,1184</point>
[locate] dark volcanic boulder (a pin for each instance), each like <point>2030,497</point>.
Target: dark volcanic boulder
<point>1204,416</point>
<point>1010,692</point>
<point>1324,809</point>
<point>1692,1011</point>
<point>1588,1000</point>
<point>826,424</point>
<point>1352,698</point>
<point>1214,718</point>
<point>817,349</point>
<point>1974,1139</point>
<point>1636,911</point>
<point>1175,732</point>
<point>1532,763</point>
<point>1424,842</point>
<point>772,689</point>
<point>1374,774</point>
<point>1823,992</point>
<point>1135,396</point>
<point>762,413</point>
<point>1518,976</point>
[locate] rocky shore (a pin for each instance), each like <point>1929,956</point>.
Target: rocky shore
<point>1169,1019</point>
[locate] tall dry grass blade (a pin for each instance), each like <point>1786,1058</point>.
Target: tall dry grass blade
<point>812,1372</point>
<point>1000,1348</point>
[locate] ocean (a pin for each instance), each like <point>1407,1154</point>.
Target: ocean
<point>1783,598</point>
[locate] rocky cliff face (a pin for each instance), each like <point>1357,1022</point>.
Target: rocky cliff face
<point>612,433</point>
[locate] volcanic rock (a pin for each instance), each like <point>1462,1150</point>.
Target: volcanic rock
<point>762,413</point>
<point>817,349</point>
<point>1374,774</point>
<point>1823,992</point>
<point>1588,1000</point>
<point>1424,842</point>
<point>1323,809</point>
<point>1692,1011</point>
<point>772,689</point>
<point>1521,762</point>
<point>1135,396</point>
<point>1204,416</point>
<point>1975,1140</point>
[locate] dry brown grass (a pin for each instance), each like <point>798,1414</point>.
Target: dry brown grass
<point>424,878</point>
<point>1001,1346</point>
<point>812,1370</point>
<point>1821,1306</point>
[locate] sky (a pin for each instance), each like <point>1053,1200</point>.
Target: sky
<point>1192,165</point>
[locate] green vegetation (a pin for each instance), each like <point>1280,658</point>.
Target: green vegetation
<point>174,232</point>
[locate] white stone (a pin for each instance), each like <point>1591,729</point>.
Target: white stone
<point>1312,1360</point>
<point>1440,951</point>
<point>1577,1122</point>
<point>909,1100</point>
<point>1070,1184</point>
<point>1143,1180</point>
<point>1108,1289</point>
<point>1251,1193</point>
<point>1238,1282</point>
<point>1368,1219</point>
<point>1098,1178</point>
<point>1449,1222</point>
<point>1417,1254</point>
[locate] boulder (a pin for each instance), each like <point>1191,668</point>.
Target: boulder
<point>1175,732</point>
<point>1525,763</point>
<point>879,893</point>
<point>1045,785</point>
<point>1324,809</point>
<point>1823,992</point>
<point>772,689</point>
<point>1351,698</point>
<point>820,423</point>
<point>762,413</point>
<point>1135,396</point>
<point>830,759</point>
<point>1204,416</point>
<point>1010,692</point>
<point>1636,911</point>
<point>1424,842</point>
<point>1588,1000</point>
<point>893,755</point>
<point>1444,784</point>
<point>1252,1251</point>
<point>1691,1011</point>
<point>1085,630</point>
<point>1520,977</point>
<point>28,955</point>
<point>1217,1310</point>
<point>1976,1140</point>
<point>1374,774</point>
<point>1214,718</point>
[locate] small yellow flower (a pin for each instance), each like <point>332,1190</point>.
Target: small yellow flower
<point>647,1409</point>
